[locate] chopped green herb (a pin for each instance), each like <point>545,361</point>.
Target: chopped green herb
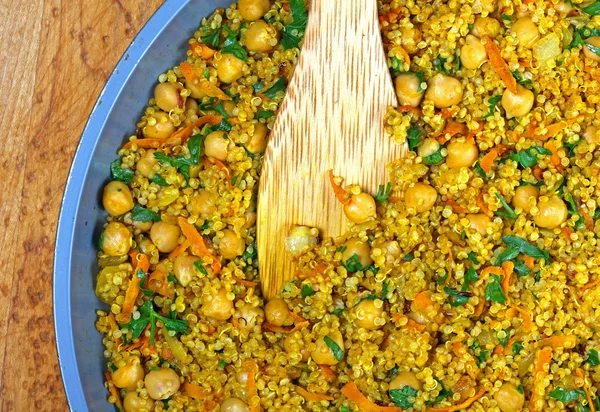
<point>505,17</point>
<point>470,277</point>
<point>203,107</point>
<point>520,79</point>
<point>493,291</point>
<point>593,9</point>
<point>221,110</point>
<point>173,279</point>
<point>212,37</point>
<point>510,213</point>
<point>142,277</point>
<point>508,254</point>
<point>421,81</point>
<point>443,394</point>
<point>491,104</point>
<point>265,114</point>
<point>413,135</point>
<point>383,193</point>
<point>439,64</point>
<point>517,348</point>
<point>341,249</point>
<point>345,409</point>
<point>337,311</point>
<point>353,263</point>
<point>159,180</point>
<point>572,146</point>
<point>463,235</point>
<point>396,65</point>
<point>503,341</point>
<point>470,26</point>
<point>385,291</point>
<point>435,158</point>
<point>521,268</point>
<point>198,264</point>
<point>294,32</point>
<point>180,163</point>
<point>206,73</point>
<point>112,367</point>
<point>537,278</point>
<point>338,353</point>
<point>520,389</point>
<point>307,290</point>
<point>233,47</point>
<point>525,247</point>
<point>278,86</point>
<point>234,180</point>
<point>483,356</point>
<point>155,368</point>
<point>149,316</point>
<point>442,279</point>
<point>455,298</point>
<point>472,256</point>
<point>479,170</point>
<point>258,87</point>
<point>222,364</point>
<point>195,145</point>
<point>372,268</point>
<point>408,257</point>
<point>528,158</point>
<point>141,214</point>
<point>592,358</point>
<point>120,174</point>
<point>404,397</point>
<point>566,396</point>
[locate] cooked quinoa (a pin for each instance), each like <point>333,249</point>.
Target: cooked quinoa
<point>469,282</point>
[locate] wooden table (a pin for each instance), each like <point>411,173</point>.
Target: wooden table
<point>55,57</point>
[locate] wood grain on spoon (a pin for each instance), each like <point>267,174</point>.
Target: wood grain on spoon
<point>331,118</point>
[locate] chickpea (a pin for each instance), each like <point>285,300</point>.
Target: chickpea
<point>167,96</point>
<point>127,376</point>
<point>257,143</point>
<point>116,239</point>
<point>216,145</point>
<point>472,53</point>
<point>195,91</point>
<point>143,226</point>
<point>217,307</point>
<point>361,208</point>
<point>146,164</point>
<point>486,26</point>
<point>163,128</point>
<point>393,251</point>
<point>420,198</point>
<point>191,107</point>
<point>564,7</point>
<point>261,37</point>
<point>590,134</point>
<point>359,248</point>
<point>522,196</point>
<point>406,379</point>
<point>117,198</point>
<point>250,219</point>
<point>277,312</point>
<point>594,41</point>
<point>249,316</point>
<point>253,9</point>
<point>229,68</point>
<point>204,203</point>
<point>517,105</point>
<point>233,405</point>
<point>185,270</point>
<point>165,236</point>
<point>552,213</point>
<point>410,38</point>
<point>323,354</point>
<point>408,89</point>
<point>231,245</point>
<point>229,107</point>
<point>134,403</point>
<point>526,31</point>
<point>479,222</point>
<point>369,314</point>
<point>146,246</point>
<point>444,91</point>
<point>509,399</point>
<point>461,154</point>
<point>162,384</point>
<point>486,6</point>
<point>428,147</point>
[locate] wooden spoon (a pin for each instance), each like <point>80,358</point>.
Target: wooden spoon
<point>331,118</point>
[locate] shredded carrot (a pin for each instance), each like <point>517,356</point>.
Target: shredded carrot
<point>451,130</point>
<point>483,206</point>
<point>590,285</point>
<point>463,405</point>
<point>487,161</point>
<point>177,138</point>
<point>195,391</point>
<point>459,349</point>
<point>538,173</point>
<point>253,398</point>
<point>511,313</point>
<point>112,389</point>
<point>296,317</point>
<point>499,65</point>
<point>567,231</point>
<point>491,270</point>
<point>560,341</point>
<point>407,108</point>
<point>508,268</point>
<point>527,320</point>
<point>498,350</point>
<point>312,397</point>
<point>351,391</point>
<point>140,261</point>
<point>529,261</point>
<point>473,132</point>
<point>403,53</point>
<point>589,222</point>
<point>447,114</point>
<point>202,50</point>
<point>509,345</point>
<point>318,270</point>
<point>555,128</point>
<point>479,307</point>
<point>327,373</point>
<point>197,243</point>
<point>580,374</point>
<point>411,324</point>
<point>457,208</point>
<point>244,282</point>
<point>179,249</point>
<point>340,194</point>
<point>422,302</point>
<point>157,281</point>
<point>542,365</point>
<point>202,84</point>
<point>555,158</point>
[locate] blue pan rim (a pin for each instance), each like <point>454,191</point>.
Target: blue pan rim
<point>72,195</point>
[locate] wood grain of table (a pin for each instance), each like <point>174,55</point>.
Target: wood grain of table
<point>55,57</point>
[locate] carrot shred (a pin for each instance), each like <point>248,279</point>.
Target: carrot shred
<point>179,249</point>
<point>327,373</point>
<point>538,173</point>
<point>580,374</point>
<point>312,397</point>
<point>555,158</point>
<point>112,389</point>
<point>527,320</point>
<point>411,324</point>
<point>458,349</point>
<point>491,270</point>
<point>202,50</point>
<point>403,53</point>
<point>590,285</point>
<point>253,398</point>
<point>451,130</point>
<point>203,85</point>
<point>460,406</point>
<point>296,317</point>
<point>244,282</point>
<point>457,208</point>
<point>197,243</point>
<point>508,268</point>
<point>487,161</point>
<point>195,391</point>
<point>351,391</point>
<point>340,194</point>
<point>498,350</point>
<point>473,132</point>
<point>499,65</point>
<point>556,128</point>
<point>483,206</point>
<point>567,231</point>
<point>408,108</point>
<point>589,222</point>
<point>479,308</point>
<point>529,261</point>
<point>222,167</point>
<point>509,345</point>
<point>140,262</point>
<point>422,302</point>
<point>157,281</point>
<point>544,357</point>
<point>560,341</point>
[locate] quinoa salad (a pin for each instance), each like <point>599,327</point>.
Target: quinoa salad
<point>469,282</point>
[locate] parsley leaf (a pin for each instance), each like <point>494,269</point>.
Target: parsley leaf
<point>510,213</point>
<point>353,263</point>
<point>337,311</point>
<point>278,86</point>
<point>503,341</point>
<point>141,214</point>
<point>517,348</point>
<point>233,47</point>
<point>443,394</point>
<point>381,195</point>
<point>509,254</point>
<point>221,110</point>
<point>198,264</point>
<point>120,174</point>
<point>413,136</point>
<point>525,247</point>
<point>173,279</point>
<point>149,316</point>
<point>439,64</point>
<point>491,104</point>
<point>307,290</point>
<point>470,277</point>
<point>521,268</point>
<point>566,396</point>
<point>572,146</point>
<point>265,114</point>
<point>212,37</point>
<point>479,170</point>
<point>158,179</point>
<point>528,158</point>
<point>401,397</point>
<point>385,291</point>
<point>592,358</point>
<point>435,158</point>
<point>142,277</point>
<point>520,79</point>
<point>442,279</point>
<point>345,409</point>
<point>455,298</point>
<point>472,256</point>
<point>505,17</point>
<point>593,9</point>
<point>338,353</point>
<point>294,32</point>
<point>493,291</point>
